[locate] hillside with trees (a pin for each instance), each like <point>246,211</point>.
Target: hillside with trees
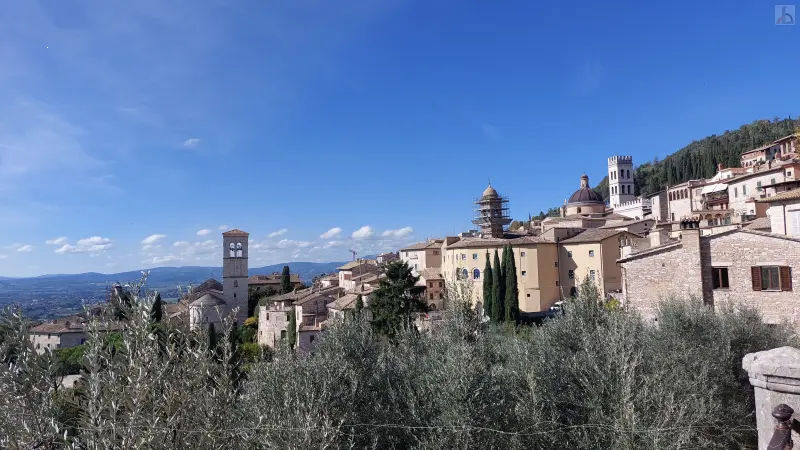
<point>700,158</point>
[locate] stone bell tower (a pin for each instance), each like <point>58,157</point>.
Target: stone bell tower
<point>234,271</point>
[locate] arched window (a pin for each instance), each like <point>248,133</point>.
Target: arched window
<point>239,249</point>
<point>432,307</point>
<point>235,283</point>
<point>464,274</point>
<point>232,251</point>
<point>573,291</point>
<point>579,209</point>
<point>476,274</point>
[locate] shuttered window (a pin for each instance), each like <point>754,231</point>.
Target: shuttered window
<point>771,278</point>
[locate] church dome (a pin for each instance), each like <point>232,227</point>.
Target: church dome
<point>585,194</point>
<point>490,192</point>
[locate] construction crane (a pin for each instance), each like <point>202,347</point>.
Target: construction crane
<point>354,254</point>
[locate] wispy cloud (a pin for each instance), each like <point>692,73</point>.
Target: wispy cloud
<point>363,232</point>
<point>289,243</point>
<point>333,232</point>
<point>204,232</point>
<point>94,244</point>
<point>56,241</point>
<point>162,259</point>
<point>399,233</point>
<point>280,232</point>
<point>152,239</point>
<point>25,248</point>
<point>222,227</point>
<point>191,143</point>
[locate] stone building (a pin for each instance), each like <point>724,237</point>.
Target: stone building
<point>433,281</point>
<point>354,269</point>
<point>214,306</point>
<point>736,266</point>
<point>272,281</point>
<point>621,189</point>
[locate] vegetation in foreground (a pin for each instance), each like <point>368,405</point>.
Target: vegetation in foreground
<point>593,378</point>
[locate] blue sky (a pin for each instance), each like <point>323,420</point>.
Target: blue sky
<point>132,132</point>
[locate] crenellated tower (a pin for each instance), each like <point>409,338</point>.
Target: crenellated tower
<point>620,180</point>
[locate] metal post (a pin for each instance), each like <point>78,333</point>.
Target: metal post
<point>782,436</point>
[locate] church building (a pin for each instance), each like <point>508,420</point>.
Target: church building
<point>215,305</point>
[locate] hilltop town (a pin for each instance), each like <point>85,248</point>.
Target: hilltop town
<point>731,238</point>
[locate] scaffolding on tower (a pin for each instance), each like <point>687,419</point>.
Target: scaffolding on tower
<point>491,214</point>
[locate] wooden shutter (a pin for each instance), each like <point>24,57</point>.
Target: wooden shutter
<point>756,271</point>
<point>786,278</point>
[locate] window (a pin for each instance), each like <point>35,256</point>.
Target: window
<point>571,274</point>
<point>556,263</point>
<point>556,283</point>
<point>529,295</point>
<point>788,173</point>
<point>591,253</point>
<point>310,339</point>
<point>744,190</point>
<point>474,256</point>
<point>522,254</point>
<point>569,254</point>
<point>523,273</point>
<point>440,284</point>
<point>405,253</point>
<point>464,273</point>
<point>235,283</point>
<point>476,274</point>
<point>436,252</point>
<point>758,185</point>
<point>591,274</point>
<point>283,334</point>
<point>430,284</point>
<point>441,296</point>
<point>415,267</point>
<point>771,278</point>
<point>463,256</point>
<point>719,277</point>
<point>772,181</point>
<point>431,295</point>
<point>736,192</point>
<point>579,209</point>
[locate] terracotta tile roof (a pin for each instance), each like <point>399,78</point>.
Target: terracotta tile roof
<point>345,302</point>
<point>314,296</point>
<point>210,298</point>
<point>627,223</point>
<point>593,235</point>
<point>477,242</point>
<point>353,264</point>
<point>431,274</point>
<point>794,194</point>
<point>60,327</point>
<point>432,243</point>
<point>236,232</point>
<point>667,246</point>
<point>762,223</point>
<point>274,278</point>
<point>759,149</point>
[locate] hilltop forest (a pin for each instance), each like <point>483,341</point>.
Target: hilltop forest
<point>700,158</point>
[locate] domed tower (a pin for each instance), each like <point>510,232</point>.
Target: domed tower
<point>234,271</point>
<point>491,213</point>
<point>585,200</point>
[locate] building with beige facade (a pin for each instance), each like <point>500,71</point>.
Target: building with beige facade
<point>422,255</point>
<point>592,254</point>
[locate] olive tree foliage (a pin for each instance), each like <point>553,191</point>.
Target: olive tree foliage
<point>590,378</point>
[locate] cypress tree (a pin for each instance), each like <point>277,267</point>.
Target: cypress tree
<point>359,304</point>
<point>497,290</point>
<point>512,291</point>
<point>487,286</point>
<point>291,333</point>
<point>157,310</point>
<point>286,280</point>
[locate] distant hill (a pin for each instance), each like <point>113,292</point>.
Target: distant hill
<point>61,294</point>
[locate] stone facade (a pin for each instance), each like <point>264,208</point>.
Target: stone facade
<point>689,267</point>
<point>272,324</point>
<point>51,341</point>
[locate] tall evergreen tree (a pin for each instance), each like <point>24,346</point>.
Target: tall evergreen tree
<point>291,332</point>
<point>286,280</point>
<point>512,291</point>
<point>359,304</point>
<point>157,310</point>
<point>397,299</point>
<point>487,286</point>
<point>498,293</point>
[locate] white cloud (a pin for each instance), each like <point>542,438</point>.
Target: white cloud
<point>204,232</point>
<point>333,232</point>
<point>153,238</point>
<point>222,227</point>
<point>363,232</point>
<point>3,256</point>
<point>56,241</point>
<point>94,244</point>
<point>289,243</point>
<point>150,246</point>
<point>161,259</point>
<point>191,142</point>
<point>280,232</point>
<point>25,248</point>
<point>331,244</point>
<point>208,247</point>
<point>399,233</point>
<point>181,243</point>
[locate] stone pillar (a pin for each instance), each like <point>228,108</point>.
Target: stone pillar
<point>775,377</point>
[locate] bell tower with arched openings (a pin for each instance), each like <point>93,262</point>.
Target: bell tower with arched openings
<point>234,271</point>
<point>620,180</point>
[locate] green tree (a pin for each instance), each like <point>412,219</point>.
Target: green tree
<point>212,337</point>
<point>396,300</point>
<point>157,310</point>
<point>512,291</point>
<point>498,290</point>
<point>359,304</point>
<point>291,332</point>
<point>286,280</point>
<point>487,286</point>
